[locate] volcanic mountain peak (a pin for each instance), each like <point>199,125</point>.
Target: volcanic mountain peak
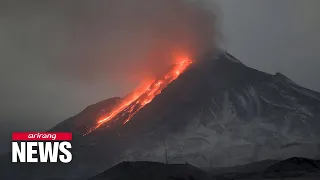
<point>218,110</point>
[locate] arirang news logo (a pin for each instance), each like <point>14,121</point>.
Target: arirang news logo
<point>41,147</point>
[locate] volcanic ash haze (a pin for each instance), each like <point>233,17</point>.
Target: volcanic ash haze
<point>145,41</point>
<point>129,41</point>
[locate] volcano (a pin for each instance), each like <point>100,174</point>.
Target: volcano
<point>217,112</point>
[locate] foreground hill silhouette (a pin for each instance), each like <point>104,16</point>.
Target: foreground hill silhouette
<point>153,171</point>
<point>295,167</point>
<point>292,168</point>
<point>218,113</point>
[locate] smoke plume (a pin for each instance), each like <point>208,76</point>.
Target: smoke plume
<point>133,40</point>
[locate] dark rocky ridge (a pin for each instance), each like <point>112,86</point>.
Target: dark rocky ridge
<point>290,168</point>
<point>153,171</point>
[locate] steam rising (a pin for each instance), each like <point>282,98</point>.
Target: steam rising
<point>133,40</point>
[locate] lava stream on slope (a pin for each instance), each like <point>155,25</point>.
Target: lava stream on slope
<point>140,97</point>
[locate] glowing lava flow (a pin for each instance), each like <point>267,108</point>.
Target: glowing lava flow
<point>135,101</point>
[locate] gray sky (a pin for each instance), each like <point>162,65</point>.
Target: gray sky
<point>42,85</point>
<point>275,36</point>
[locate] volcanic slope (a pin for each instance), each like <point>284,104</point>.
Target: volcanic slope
<point>219,112</point>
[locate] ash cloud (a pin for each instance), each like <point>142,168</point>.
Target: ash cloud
<point>129,40</point>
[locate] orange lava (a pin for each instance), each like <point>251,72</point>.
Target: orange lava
<point>135,101</point>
